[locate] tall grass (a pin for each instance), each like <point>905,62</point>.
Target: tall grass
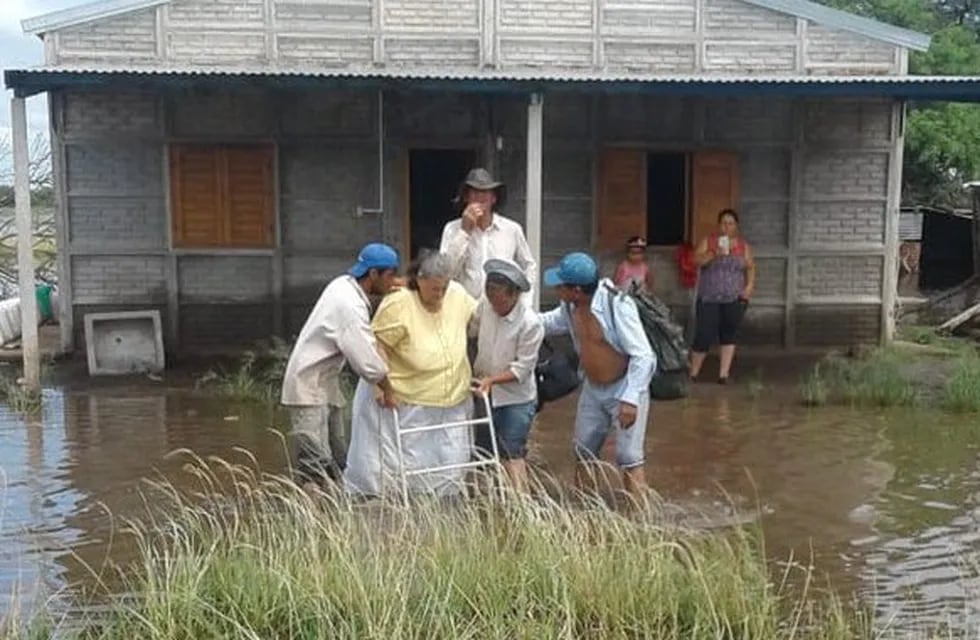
<point>275,563</point>
<point>962,389</point>
<point>255,377</point>
<point>880,379</point>
<point>19,398</point>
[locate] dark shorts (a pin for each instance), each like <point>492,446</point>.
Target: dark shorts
<point>513,425</point>
<point>717,323</point>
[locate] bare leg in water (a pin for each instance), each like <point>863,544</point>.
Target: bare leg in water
<point>727,353</point>
<point>517,474</point>
<point>697,361</point>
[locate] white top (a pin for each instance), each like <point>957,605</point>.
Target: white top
<point>508,343</point>
<point>337,331</point>
<point>467,252</point>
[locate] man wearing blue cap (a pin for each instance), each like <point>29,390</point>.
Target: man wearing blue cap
<point>615,361</point>
<point>337,332</point>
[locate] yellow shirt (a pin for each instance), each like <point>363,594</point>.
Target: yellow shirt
<point>427,351</point>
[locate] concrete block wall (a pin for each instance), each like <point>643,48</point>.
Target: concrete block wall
<point>831,254</point>
<point>675,36</point>
<point>826,163</point>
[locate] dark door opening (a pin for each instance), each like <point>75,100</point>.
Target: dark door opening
<point>666,198</point>
<point>434,175</point>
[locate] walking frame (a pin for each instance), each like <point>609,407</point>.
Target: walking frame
<point>404,474</point>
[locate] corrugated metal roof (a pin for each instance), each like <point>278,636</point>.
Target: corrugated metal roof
<point>84,13</point>
<point>434,73</point>
<point>956,88</point>
<point>910,225</point>
<point>837,19</point>
<point>820,14</point>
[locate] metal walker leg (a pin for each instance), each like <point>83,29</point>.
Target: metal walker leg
<point>404,474</point>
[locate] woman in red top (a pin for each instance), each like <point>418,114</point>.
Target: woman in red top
<point>725,286</point>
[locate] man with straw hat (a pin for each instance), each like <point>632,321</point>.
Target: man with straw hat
<point>481,233</point>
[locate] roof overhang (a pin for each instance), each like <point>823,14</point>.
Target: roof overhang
<point>71,16</point>
<point>27,82</point>
<point>845,21</point>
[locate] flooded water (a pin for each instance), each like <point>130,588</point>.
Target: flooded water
<point>887,504</point>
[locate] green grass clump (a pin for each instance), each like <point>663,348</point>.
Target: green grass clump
<point>19,398</point>
<point>274,563</point>
<point>962,389</point>
<point>879,379</point>
<point>255,377</point>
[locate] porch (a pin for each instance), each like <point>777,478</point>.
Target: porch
<point>304,170</point>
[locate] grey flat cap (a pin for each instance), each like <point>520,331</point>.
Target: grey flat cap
<point>508,270</point>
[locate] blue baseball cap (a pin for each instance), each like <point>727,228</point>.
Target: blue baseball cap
<point>374,256</point>
<point>575,269</point>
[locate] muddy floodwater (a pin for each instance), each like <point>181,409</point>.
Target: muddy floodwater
<point>885,503</point>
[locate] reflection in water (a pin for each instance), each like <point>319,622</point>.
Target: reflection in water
<point>73,476</point>
<point>887,504</point>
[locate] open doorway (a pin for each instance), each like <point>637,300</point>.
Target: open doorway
<point>434,176</point>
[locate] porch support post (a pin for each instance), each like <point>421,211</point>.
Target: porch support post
<point>889,280</point>
<point>25,245</point>
<point>532,200</point>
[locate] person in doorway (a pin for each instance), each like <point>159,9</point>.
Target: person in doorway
<point>337,332</point>
<point>634,271</point>
<point>422,334</point>
<point>725,286</point>
<point>616,362</point>
<point>509,336</point>
<point>481,233</point>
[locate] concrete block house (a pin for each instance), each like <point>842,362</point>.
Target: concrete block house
<point>220,160</point>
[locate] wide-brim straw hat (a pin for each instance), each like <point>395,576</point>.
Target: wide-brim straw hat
<point>481,180</point>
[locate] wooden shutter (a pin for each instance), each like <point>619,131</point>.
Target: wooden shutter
<point>622,197</point>
<point>222,196</point>
<point>714,187</point>
<point>195,179</point>
<point>249,196</point>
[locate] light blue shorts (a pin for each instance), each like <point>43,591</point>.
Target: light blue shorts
<point>598,414</point>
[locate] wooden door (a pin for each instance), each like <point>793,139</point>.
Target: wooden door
<point>622,197</point>
<point>714,187</point>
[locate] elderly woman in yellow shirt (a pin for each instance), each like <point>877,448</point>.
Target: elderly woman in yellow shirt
<point>421,331</point>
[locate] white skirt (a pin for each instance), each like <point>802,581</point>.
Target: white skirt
<point>372,459</point>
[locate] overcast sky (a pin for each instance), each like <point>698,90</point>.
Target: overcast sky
<point>18,50</point>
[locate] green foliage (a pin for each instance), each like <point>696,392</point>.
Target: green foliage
<point>879,380</point>
<point>17,397</point>
<point>942,144</point>
<point>962,390</point>
<point>256,376</point>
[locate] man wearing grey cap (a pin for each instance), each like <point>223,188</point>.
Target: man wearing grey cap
<point>481,233</point>
<point>509,335</point>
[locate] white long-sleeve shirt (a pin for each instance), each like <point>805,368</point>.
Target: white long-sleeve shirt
<point>337,331</point>
<point>508,343</point>
<point>621,328</point>
<point>467,252</point>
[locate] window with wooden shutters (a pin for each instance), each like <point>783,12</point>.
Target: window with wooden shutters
<point>667,197</point>
<point>622,197</point>
<point>222,196</point>
<point>714,188</point>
